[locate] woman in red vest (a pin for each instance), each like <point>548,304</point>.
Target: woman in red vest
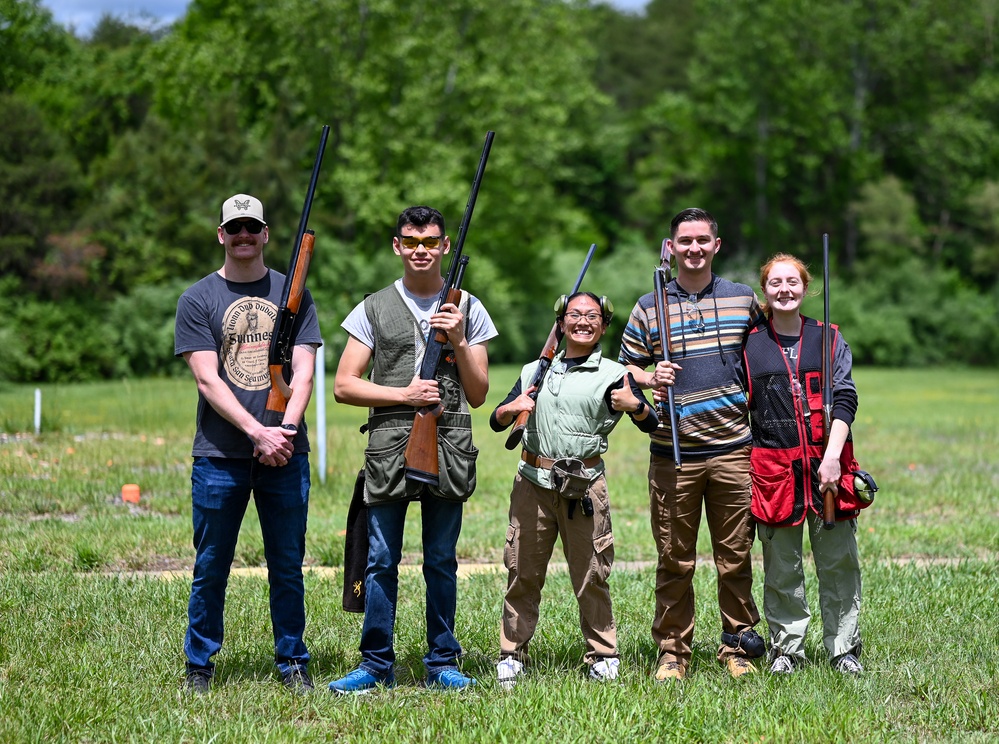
<point>790,470</point>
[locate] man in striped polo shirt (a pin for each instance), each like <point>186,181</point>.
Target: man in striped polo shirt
<point>709,318</point>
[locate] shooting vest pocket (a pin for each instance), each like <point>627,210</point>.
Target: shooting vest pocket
<point>773,489</point>
<point>457,466</point>
<point>385,465</point>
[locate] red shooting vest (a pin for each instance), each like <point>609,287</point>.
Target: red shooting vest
<point>787,429</point>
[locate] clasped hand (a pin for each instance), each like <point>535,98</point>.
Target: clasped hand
<point>275,446</point>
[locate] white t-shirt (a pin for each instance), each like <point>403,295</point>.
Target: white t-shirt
<point>480,326</point>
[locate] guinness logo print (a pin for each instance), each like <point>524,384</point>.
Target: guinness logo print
<point>247,327</point>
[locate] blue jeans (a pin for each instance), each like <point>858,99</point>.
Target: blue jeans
<point>441,526</point>
<point>220,490</point>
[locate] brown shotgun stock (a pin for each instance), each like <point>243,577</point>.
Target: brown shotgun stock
<point>280,392</point>
<point>283,336</point>
<point>422,461</point>
<point>547,355</point>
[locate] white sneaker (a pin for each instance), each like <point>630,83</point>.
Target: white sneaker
<point>783,664</point>
<point>507,671</point>
<point>605,670</point>
<point>847,664</point>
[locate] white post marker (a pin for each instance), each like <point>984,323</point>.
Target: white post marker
<point>320,390</point>
<point>38,410</point>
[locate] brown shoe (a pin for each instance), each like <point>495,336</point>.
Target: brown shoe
<point>670,670</point>
<point>739,665</point>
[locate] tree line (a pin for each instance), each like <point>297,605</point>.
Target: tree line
<point>872,120</point>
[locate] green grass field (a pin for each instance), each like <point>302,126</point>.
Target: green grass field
<point>93,591</point>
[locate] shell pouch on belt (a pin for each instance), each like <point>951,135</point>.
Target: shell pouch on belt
<point>569,478</point>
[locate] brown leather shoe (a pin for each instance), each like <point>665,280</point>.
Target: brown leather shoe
<point>670,670</point>
<point>738,666</point>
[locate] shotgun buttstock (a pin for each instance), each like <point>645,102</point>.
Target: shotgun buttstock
<point>277,398</point>
<point>422,462</point>
<point>517,432</point>
<point>828,509</point>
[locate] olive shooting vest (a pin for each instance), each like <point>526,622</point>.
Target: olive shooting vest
<point>399,348</point>
<point>571,418</point>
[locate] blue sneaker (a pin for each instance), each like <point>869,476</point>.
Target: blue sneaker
<point>449,679</point>
<point>360,682</point>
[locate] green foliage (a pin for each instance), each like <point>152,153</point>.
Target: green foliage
<point>984,230</point>
<point>63,342</point>
<point>911,317</point>
<point>874,121</point>
<point>898,309</point>
<point>39,183</point>
<point>30,42</point>
<point>141,329</point>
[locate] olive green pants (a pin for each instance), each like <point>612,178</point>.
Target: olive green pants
<point>785,605</point>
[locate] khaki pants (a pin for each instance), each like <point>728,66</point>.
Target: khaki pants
<point>722,484</point>
<point>537,517</point>
<point>784,603</point>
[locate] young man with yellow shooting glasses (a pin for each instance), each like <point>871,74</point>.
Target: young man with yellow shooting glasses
<point>388,333</point>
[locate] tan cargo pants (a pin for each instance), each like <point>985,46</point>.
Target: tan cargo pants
<point>538,516</point>
<point>722,484</point>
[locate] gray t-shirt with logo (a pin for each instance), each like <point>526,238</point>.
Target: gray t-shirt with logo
<point>236,320</point>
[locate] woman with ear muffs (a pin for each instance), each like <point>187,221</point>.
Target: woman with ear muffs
<point>560,489</point>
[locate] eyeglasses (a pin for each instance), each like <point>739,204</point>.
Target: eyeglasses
<point>253,227</point>
<point>695,318</point>
<point>576,317</point>
<point>412,242</point>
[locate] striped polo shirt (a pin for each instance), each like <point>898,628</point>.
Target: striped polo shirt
<point>707,333</point>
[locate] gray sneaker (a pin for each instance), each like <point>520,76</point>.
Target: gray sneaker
<point>297,680</point>
<point>783,664</point>
<point>198,681</point>
<point>847,664</point>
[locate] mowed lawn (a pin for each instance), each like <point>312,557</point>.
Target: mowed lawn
<point>93,591</point>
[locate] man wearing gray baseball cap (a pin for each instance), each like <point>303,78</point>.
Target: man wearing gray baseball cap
<point>223,330</point>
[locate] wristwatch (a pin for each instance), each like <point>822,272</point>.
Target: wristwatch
<point>641,407</point>
<point>289,427</point>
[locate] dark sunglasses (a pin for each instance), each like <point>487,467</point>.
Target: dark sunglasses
<point>411,241</point>
<point>251,226</point>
